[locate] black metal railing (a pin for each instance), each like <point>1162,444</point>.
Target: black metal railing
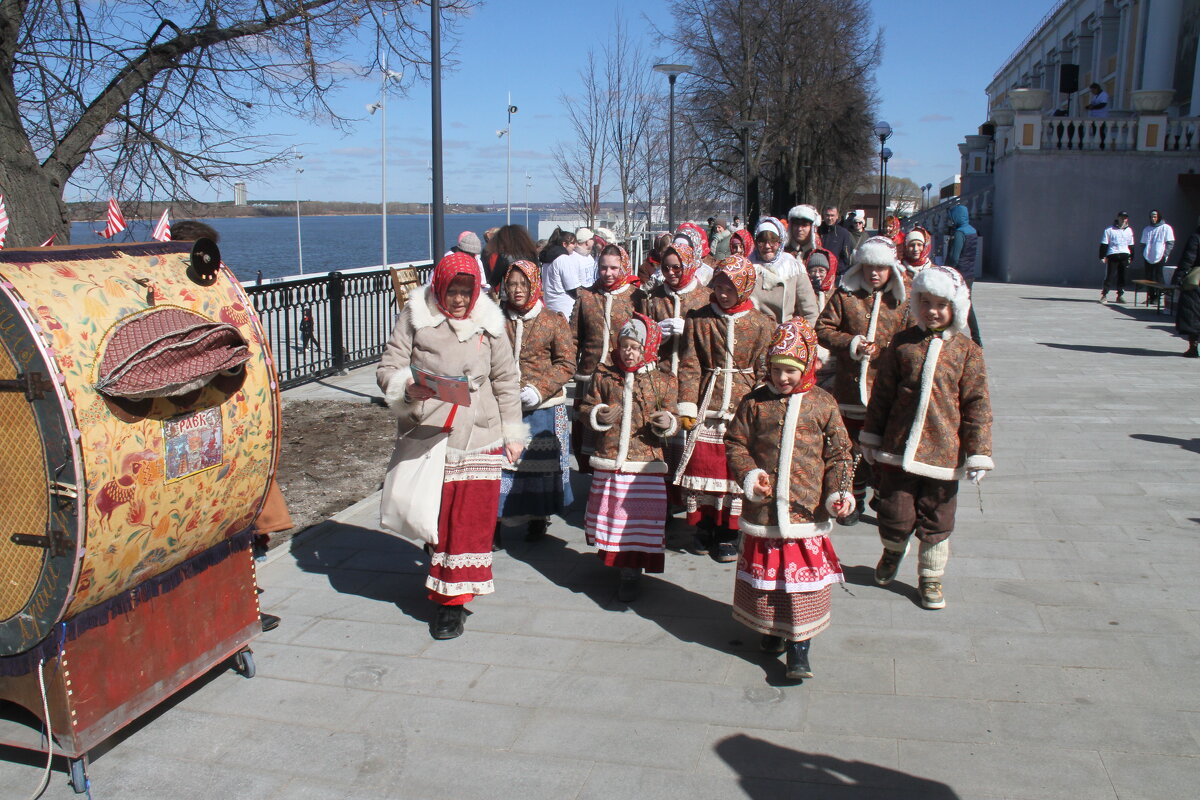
<point>352,316</point>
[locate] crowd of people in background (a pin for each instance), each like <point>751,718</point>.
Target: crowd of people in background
<point>760,381</point>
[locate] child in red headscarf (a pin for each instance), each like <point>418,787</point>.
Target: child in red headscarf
<point>725,356</point>
<point>789,450</point>
<point>631,405</point>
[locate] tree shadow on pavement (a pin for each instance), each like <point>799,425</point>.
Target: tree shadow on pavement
<point>368,563</point>
<point>1191,445</point>
<point>768,771</point>
<point>1116,351</point>
<point>686,615</point>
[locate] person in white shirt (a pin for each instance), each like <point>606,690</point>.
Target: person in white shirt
<point>1116,248</point>
<point>1158,240</point>
<point>1098,108</point>
<point>561,279</point>
<point>585,258</point>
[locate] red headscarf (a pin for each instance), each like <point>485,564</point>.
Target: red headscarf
<point>687,257</point>
<point>795,344</point>
<point>747,241</point>
<point>697,235</point>
<point>644,330</point>
<point>742,275</point>
<point>831,273</point>
<point>923,259</point>
<point>627,275</point>
<point>893,231</point>
<point>450,267</point>
<point>532,274</point>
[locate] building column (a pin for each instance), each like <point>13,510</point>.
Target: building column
<point>1162,36</point>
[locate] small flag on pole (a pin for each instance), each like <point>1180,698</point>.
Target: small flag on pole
<point>116,220</point>
<point>3,222</point>
<point>162,231</point>
<point>49,241</point>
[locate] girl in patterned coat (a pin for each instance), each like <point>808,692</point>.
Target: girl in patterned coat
<point>929,425</point>
<point>726,357</point>
<point>631,405</point>
<point>598,314</point>
<point>539,485</point>
<point>787,447</point>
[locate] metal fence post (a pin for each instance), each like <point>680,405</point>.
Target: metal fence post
<point>336,332</point>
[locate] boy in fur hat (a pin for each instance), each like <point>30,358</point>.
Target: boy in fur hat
<point>631,405</point>
<point>858,323</point>
<point>789,450</point>
<point>928,425</point>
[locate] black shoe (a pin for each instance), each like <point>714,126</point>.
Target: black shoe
<point>853,517</point>
<point>724,552</point>
<point>797,661</point>
<point>701,542</point>
<point>537,530</point>
<point>269,621</point>
<point>448,624</point>
<point>1192,352</point>
<point>889,564</point>
<point>498,537</point>
<point>629,584</point>
<point>771,644</point>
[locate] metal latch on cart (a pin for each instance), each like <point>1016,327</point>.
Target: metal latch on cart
<point>56,542</point>
<point>33,384</point>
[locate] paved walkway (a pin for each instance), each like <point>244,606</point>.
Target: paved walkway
<point>1065,665</point>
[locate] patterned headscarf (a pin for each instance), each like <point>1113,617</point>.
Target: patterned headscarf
<point>645,331</point>
<point>532,274</point>
<point>687,257</point>
<point>697,236</point>
<point>926,238</point>
<point>450,267</point>
<point>795,344</point>
<point>747,241</point>
<point>741,274</point>
<point>831,270</point>
<point>893,231</point>
<point>627,274</point>
<point>774,226</point>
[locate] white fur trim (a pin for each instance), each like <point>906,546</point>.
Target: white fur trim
<point>631,467</point>
<point>783,469</point>
<point>793,530</point>
<point>671,431</point>
<point>750,486</point>
<point>944,282</point>
<point>855,343</point>
<point>597,425</point>
<point>928,370</point>
<point>486,316</point>
<point>864,364</point>
<point>868,439</point>
<point>626,419</point>
<point>919,467</point>
<point>804,211</point>
<point>688,410</point>
<point>839,497</point>
<point>516,432</point>
<point>398,384</point>
<point>978,462</point>
<point>556,400</point>
<point>853,280</point>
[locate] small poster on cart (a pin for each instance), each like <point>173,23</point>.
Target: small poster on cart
<point>195,442</point>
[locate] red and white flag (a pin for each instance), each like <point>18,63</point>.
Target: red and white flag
<point>162,231</point>
<point>116,220</point>
<point>3,222</point>
<point>49,241</point>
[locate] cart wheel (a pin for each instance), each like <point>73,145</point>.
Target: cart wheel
<point>243,662</point>
<point>79,775</point>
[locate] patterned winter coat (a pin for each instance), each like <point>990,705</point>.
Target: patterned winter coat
<point>853,316</point>
<point>476,347</point>
<point>631,444</point>
<point>597,317</point>
<point>713,376</point>
<point>546,351</point>
<point>801,445</point>
<point>665,303</point>
<point>936,422</point>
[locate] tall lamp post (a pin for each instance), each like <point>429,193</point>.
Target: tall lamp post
<point>886,155</point>
<point>435,88</point>
<point>672,71</point>
<point>928,194</point>
<point>528,183</point>
<point>381,106</point>
<point>508,180</point>
<point>299,241</point>
<point>884,132</point>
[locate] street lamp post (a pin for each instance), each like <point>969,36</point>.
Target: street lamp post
<point>299,240</point>
<point>435,87</point>
<point>884,132</point>
<point>886,155</point>
<point>528,183</point>
<point>672,71</point>
<point>508,172</point>
<point>381,106</point>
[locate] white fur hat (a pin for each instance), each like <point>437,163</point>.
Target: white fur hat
<point>876,251</point>
<point>947,283</point>
<point>804,211</point>
<point>607,235</point>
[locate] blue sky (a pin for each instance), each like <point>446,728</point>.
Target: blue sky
<point>938,59</point>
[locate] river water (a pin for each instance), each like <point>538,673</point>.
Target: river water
<point>250,244</point>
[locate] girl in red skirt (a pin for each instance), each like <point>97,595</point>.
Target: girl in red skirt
<point>631,407</point>
<point>788,448</point>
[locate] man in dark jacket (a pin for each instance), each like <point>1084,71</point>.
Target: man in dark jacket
<point>834,237</point>
<point>1187,309</point>
<point>963,255</point>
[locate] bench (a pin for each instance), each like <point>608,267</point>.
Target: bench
<point>1162,289</point>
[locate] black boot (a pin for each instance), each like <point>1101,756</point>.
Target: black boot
<point>771,644</point>
<point>797,661</point>
<point>724,551</point>
<point>497,537</point>
<point>537,530</point>
<point>629,584</point>
<point>702,539</point>
<point>1193,350</point>
<point>448,624</point>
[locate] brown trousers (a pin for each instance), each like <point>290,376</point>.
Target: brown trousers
<point>911,504</point>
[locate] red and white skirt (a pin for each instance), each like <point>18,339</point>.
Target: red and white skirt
<point>709,491</point>
<point>461,565</point>
<point>783,586</point>
<point>626,518</point>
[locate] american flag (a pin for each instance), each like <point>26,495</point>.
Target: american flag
<point>162,231</point>
<point>49,241</point>
<point>116,220</point>
<point>3,222</point>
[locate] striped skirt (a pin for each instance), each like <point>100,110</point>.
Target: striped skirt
<point>626,518</point>
<point>709,491</point>
<point>783,586</point>
<point>540,486</point>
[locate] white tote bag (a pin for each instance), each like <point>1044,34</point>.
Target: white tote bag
<point>412,490</point>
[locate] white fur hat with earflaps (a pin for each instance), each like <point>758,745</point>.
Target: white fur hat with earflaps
<point>947,283</point>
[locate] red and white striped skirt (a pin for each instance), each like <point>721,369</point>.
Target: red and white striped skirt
<point>626,518</point>
<point>461,566</point>
<point>783,586</point>
<point>709,491</point>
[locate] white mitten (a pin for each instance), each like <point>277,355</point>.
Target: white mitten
<point>976,475</point>
<point>530,397</point>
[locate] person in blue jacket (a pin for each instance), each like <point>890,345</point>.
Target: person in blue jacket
<point>963,255</point>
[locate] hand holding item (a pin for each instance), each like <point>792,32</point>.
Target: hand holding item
<point>868,349</point>
<point>530,397</point>
<point>661,420</point>
<point>513,451</point>
<point>763,485</point>
<point>687,422</point>
<point>416,393</point>
<point>844,507</point>
<point>608,414</point>
<point>976,475</point>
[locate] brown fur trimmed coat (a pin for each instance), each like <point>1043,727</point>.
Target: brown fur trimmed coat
<point>546,357</point>
<point>595,312</point>
<point>664,303</point>
<point>631,444</point>
<point>708,367</point>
